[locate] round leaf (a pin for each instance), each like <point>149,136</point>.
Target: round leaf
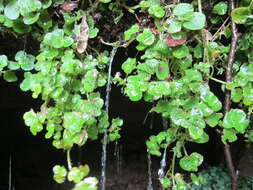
<point>11,10</point>
<point>196,23</point>
<point>191,162</point>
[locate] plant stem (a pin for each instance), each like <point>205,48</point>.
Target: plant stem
<point>69,159</point>
<point>227,103</point>
<point>173,168</point>
<point>217,80</point>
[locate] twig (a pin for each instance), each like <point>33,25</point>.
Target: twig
<point>227,103</point>
<point>218,31</point>
<point>217,80</point>
<point>69,159</point>
<point>107,101</point>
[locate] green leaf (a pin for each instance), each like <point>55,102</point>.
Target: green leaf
<point>93,33</point>
<point>204,138</point>
<point>181,52</point>
<point>60,173</point>
<point>195,131</point>
<point>162,70</point>
<point>236,119</point>
<point>133,93</point>
<point>166,182</point>
<point>220,8</point>
<point>57,39</point>
<point>31,18</point>
<point>241,14</point>
<point>147,38</point>
<point>228,135</point>
<point>21,28</point>
<point>1,6</point>
<point>3,61</point>
<point>236,94</point>
<point>157,11</point>
<point>174,26</point>
<point>214,119</point>
<point>73,121</point>
<point>89,183</point>
<point>198,51</point>
<point>211,100</point>
<point>196,23</point>
<point>183,9</point>
<point>11,10</point>
<point>26,61</point>
<point>129,65</point>
<point>191,162</point>
<point>28,6</point>
<point>161,47</point>
<point>130,32</point>
<point>75,175</point>
<point>13,65</point>
<point>192,75</point>
<point>10,76</point>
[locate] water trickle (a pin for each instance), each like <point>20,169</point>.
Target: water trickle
<point>10,174</point>
<point>107,101</point>
<point>150,185</point>
<point>79,159</point>
<point>117,154</point>
<point>161,171</point>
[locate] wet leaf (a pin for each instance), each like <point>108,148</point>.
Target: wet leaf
<point>214,119</point>
<point>3,61</point>
<point>129,65</point>
<point>191,162</point>
<point>236,119</point>
<point>241,14</point>
<point>147,38</point>
<point>174,26</point>
<point>183,9</point>
<point>196,23</point>
<point>228,135</point>
<point>162,70</point>
<point>60,173</point>
<point>130,32</point>
<point>10,76</point>
<point>181,52</point>
<point>220,8</point>
<point>157,11</point>
<point>11,10</point>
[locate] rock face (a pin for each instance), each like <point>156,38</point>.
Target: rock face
<point>246,163</point>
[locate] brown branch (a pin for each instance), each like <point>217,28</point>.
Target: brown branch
<point>227,103</point>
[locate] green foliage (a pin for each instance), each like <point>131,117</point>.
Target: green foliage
<point>217,178</point>
<point>179,53</point>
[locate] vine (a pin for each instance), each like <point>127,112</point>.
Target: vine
<point>181,47</point>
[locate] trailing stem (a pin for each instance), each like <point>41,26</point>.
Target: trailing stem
<point>107,101</point>
<point>227,103</point>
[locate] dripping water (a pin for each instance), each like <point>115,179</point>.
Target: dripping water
<point>150,185</point>
<point>79,161</point>
<point>117,154</point>
<point>161,171</point>
<point>107,101</point>
<point>10,174</point>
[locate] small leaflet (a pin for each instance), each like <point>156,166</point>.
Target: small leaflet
<point>82,40</point>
